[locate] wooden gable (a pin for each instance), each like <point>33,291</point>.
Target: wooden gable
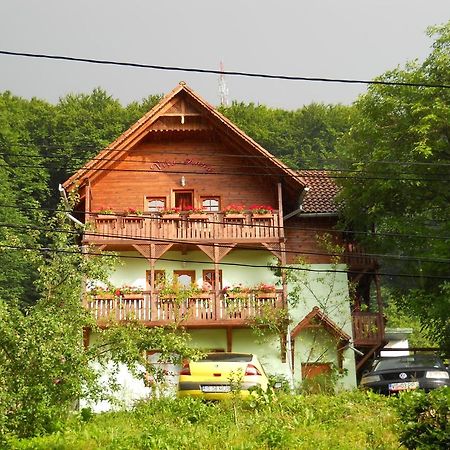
<point>182,116</point>
<point>318,319</point>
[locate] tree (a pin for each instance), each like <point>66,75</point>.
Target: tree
<point>303,138</point>
<point>398,153</point>
<point>44,368</point>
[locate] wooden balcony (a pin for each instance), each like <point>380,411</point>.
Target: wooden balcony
<point>355,257</point>
<point>368,329</point>
<point>203,310</point>
<point>213,227</point>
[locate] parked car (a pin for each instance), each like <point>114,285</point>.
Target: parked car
<point>393,374</point>
<point>211,378</point>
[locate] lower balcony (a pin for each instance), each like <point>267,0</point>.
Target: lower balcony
<point>368,329</point>
<point>203,310</point>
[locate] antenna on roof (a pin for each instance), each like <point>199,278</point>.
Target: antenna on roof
<point>223,90</point>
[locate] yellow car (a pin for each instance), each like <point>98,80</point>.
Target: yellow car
<point>218,374</point>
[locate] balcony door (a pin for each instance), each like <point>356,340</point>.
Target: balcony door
<point>184,200</point>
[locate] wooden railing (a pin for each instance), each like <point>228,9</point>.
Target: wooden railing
<point>368,328</point>
<point>203,309</point>
<point>203,227</point>
<point>354,256</point>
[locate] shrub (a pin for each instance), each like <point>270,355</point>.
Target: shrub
<point>425,419</point>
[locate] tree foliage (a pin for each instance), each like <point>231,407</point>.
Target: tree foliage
<point>304,138</point>
<point>44,368</point>
<point>399,151</point>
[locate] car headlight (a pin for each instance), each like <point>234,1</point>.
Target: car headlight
<point>370,379</point>
<point>437,374</point>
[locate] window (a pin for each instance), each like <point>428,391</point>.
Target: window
<point>185,278</point>
<point>209,276</point>
<point>155,204</point>
<point>211,204</point>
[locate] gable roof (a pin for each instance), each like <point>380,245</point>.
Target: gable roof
<point>127,140</point>
<point>321,193</point>
<point>310,321</point>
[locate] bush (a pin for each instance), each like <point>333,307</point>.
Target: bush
<point>425,419</point>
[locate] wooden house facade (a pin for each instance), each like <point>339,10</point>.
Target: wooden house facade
<point>187,199</point>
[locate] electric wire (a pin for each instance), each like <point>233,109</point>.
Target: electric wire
<point>266,266</point>
<point>173,163</point>
<point>233,173</point>
<point>151,216</point>
<point>220,72</point>
<point>224,245</point>
<point>211,153</point>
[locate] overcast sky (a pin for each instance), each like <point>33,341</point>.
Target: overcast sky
<point>357,39</point>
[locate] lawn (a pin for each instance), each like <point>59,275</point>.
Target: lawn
<point>352,420</point>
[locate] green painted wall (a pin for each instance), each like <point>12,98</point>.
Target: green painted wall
<point>329,291</point>
<point>132,270</point>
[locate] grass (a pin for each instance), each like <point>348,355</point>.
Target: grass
<point>352,420</point>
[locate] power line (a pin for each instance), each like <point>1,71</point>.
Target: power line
<point>219,72</point>
<point>235,155</point>
<point>151,216</point>
<point>247,247</point>
<point>234,173</point>
<point>296,268</point>
<point>172,163</point>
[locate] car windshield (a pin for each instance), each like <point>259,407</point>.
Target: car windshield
<point>228,357</point>
<point>407,361</point>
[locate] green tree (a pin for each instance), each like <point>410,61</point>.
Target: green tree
<point>399,148</point>
<point>43,366</point>
<point>302,138</point>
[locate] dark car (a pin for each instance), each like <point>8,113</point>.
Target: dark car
<point>395,374</point>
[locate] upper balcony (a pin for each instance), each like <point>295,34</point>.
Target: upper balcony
<point>198,228</point>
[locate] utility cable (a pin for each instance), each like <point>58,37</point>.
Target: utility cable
<point>227,72</point>
<point>246,247</point>
<point>233,173</point>
<point>152,216</point>
<point>211,153</point>
<point>199,164</point>
<point>275,267</point>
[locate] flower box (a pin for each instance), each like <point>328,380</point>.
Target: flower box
<point>266,295</point>
<point>262,216</point>
<point>135,296</point>
<point>106,216</point>
<point>133,220</point>
<point>170,216</point>
<point>198,217</point>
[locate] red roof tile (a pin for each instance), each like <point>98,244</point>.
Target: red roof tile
<point>320,198</point>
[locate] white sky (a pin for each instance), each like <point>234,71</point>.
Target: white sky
<point>322,38</point>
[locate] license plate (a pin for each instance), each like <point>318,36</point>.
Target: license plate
<point>405,386</point>
<point>214,389</point>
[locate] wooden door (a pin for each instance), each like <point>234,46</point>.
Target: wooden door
<point>311,370</point>
<point>184,200</point>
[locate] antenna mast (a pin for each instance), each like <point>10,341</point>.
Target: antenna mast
<point>223,90</point>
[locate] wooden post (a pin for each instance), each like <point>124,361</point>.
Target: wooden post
<point>153,309</point>
<point>229,339</point>
<point>216,284</point>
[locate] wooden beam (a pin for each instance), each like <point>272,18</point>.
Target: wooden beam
<point>229,339</point>
<point>366,357</point>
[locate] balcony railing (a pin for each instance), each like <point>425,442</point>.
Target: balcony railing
<point>355,256</point>
<point>204,227</point>
<point>368,328</point>
<point>202,309</point>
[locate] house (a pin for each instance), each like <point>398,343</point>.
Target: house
<point>186,197</point>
